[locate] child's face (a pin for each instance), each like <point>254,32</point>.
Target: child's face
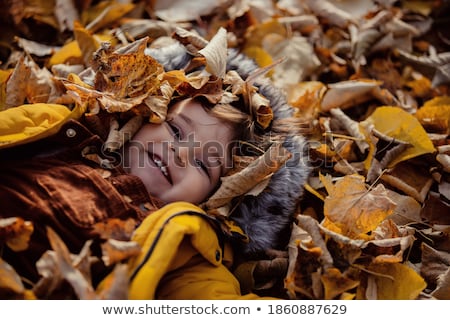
<point>183,158</point>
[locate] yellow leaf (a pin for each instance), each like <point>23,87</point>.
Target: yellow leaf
<point>256,33</point>
<point>87,43</point>
<point>435,115</point>
<point>103,16</point>
<point>301,281</point>
<point>420,87</point>
<point>396,281</point>
<point>355,209</point>
<point>4,76</point>
<point>335,283</point>
<point>70,53</point>
<point>399,124</point>
<point>262,58</point>
<point>17,232</point>
<point>438,101</point>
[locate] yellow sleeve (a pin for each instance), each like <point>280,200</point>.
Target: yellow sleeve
<point>32,122</point>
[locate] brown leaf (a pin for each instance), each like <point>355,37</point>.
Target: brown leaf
<point>79,283</point>
<point>442,290</point>
<point>434,264</point>
<point>407,209</point>
<point>435,210</point>
<point>115,229</point>
<point>304,278</point>
<point>415,183</point>
<point>128,72</point>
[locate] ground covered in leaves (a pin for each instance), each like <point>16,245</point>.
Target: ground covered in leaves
<point>371,78</point>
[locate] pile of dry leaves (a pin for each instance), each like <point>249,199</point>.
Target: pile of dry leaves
<point>370,77</point>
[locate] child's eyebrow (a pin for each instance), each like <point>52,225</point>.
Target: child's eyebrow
<point>187,119</point>
<point>192,122</point>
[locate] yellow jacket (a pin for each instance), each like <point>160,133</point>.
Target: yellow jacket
<point>184,254</point>
<point>183,257</point>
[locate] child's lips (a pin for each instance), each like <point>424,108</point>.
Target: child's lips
<point>162,166</point>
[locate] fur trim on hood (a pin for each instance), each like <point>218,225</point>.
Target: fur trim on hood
<point>266,218</point>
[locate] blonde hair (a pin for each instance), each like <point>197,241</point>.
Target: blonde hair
<point>247,130</point>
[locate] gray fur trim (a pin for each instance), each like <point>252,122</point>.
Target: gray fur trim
<point>266,219</point>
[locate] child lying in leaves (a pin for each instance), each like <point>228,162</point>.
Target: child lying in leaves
<point>149,161</point>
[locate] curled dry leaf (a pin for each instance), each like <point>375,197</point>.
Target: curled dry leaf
<point>243,181</point>
<point>299,62</point>
<point>215,53</point>
<point>354,208</point>
<point>352,127</point>
<point>35,48</point>
<point>305,276</point>
<point>81,285</point>
<point>348,93</point>
<point>335,283</point>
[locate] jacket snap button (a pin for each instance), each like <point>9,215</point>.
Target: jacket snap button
<point>71,133</point>
<point>217,255</point>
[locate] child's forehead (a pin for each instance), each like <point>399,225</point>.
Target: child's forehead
<point>191,110</point>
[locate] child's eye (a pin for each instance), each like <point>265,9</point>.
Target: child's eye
<point>202,166</point>
<point>176,132</point>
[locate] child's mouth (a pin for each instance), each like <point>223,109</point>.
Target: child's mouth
<point>162,166</point>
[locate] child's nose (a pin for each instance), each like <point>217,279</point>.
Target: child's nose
<point>181,154</point>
